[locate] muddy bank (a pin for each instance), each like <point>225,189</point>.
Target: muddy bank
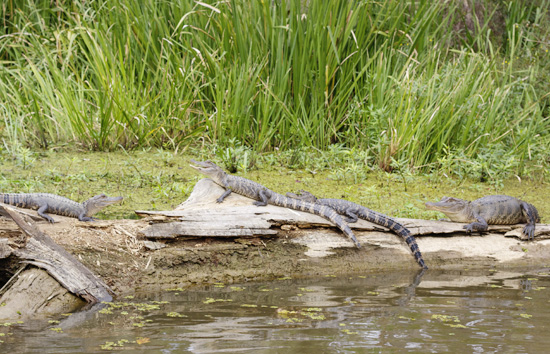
<point>205,242</point>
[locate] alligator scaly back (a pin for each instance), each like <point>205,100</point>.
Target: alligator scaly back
<point>264,196</point>
<point>354,211</point>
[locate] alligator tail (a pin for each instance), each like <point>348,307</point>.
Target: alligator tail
<point>15,199</point>
<point>399,229</point>
<point>317,209</point>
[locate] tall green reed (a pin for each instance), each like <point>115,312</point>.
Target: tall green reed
<point>387,76</point>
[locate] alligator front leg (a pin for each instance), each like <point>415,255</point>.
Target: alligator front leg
<point>479,225</point>
<point>83,217</point>
<point>42,212</point>
<point>225,194</point>
<point>264,197</point>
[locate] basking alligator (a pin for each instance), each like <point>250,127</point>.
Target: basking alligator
<point>266,196</point>
<point>492,209</point>
<point>354,211</point>
<point>50,203</point>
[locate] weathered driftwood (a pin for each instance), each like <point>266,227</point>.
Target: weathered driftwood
<point>200,215</point>
<point>38,249</point>
<point>33,291</point>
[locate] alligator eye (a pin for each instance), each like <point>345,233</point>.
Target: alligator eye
<point>449,199</point>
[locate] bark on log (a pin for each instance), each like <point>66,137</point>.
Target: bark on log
<point>5,249</point>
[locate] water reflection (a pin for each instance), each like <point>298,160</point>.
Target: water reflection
<point>433,311</point>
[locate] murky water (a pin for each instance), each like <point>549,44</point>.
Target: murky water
<point>468,312</point>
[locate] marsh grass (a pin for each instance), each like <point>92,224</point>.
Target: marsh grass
<point>160,180</point>
<point>386,77</point>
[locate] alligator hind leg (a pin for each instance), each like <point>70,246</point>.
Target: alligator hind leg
<point>263,198</point>
<point>351,216</point>
<point>42,212</point>
<point>532,216</point>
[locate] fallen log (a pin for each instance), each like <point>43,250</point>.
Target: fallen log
<point>33,289</point>
<point>441,243</point>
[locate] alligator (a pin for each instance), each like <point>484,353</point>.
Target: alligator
<point>264,196</point>
<point>353,211</point>
<point>51,203</point>
<point>491,209</point>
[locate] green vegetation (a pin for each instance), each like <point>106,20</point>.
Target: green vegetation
<point>161,180</point>
<point>387,82</point>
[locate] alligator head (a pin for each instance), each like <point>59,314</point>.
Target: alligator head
<point>303,195</point>
<point>98,202</point>
<point>210,169</point>
<point>457,210</point>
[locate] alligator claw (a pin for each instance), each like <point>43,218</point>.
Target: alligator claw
<point>529,231</point>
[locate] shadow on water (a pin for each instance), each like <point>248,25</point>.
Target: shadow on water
<point>427,311</point>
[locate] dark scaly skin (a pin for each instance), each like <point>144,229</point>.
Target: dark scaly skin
<point>354,211</point>
<point>489,210</point>
<point>50,203</point>
<point>264,196</point>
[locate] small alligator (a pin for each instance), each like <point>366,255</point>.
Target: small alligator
<point>50,203</point>
<point>492,209</point>
<point>354,211</point>
<point>264,196</point>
